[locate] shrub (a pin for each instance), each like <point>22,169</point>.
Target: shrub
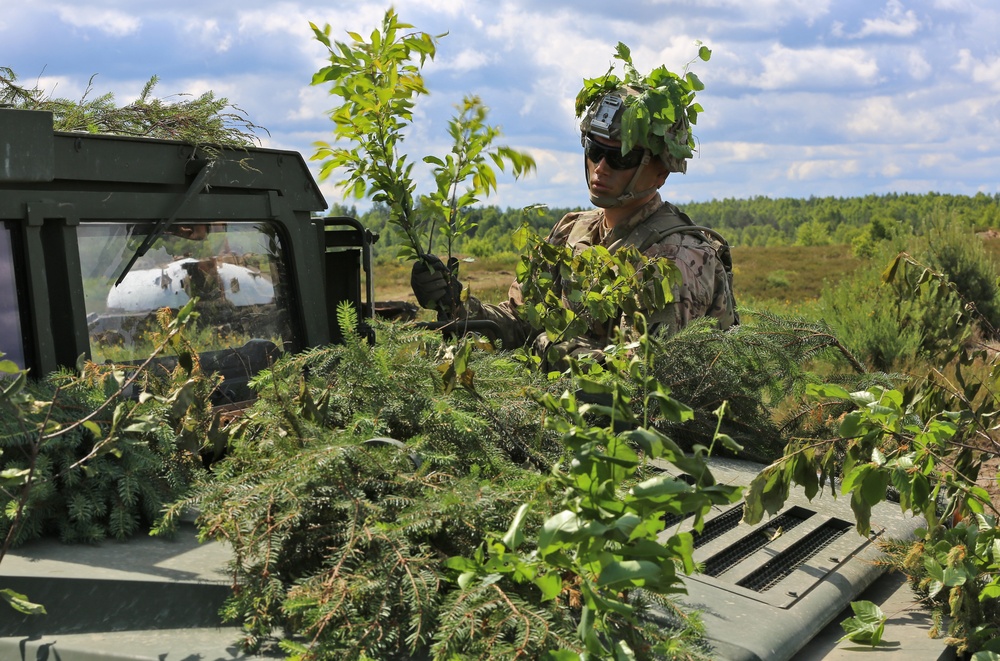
<point>860,310</point>
<point>949,246</point>
<point>114,494</point>
<point>81,460</point>
<point>482,247</point>
<point>352,556</point>
<point>778,279</point>
<point>890,325</point>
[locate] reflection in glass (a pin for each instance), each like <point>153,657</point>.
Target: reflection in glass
<point>236,270</point>
<point>11,340</point>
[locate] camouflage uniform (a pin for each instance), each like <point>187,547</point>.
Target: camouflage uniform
<point>705,289</point>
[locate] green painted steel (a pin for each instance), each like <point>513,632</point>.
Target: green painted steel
<point>75,208</point>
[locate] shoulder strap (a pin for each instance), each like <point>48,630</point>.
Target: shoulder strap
<point>661,225</point>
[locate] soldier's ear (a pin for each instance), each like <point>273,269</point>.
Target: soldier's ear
<point>661,173</point>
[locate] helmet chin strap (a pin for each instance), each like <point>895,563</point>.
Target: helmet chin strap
<point>609,202</point>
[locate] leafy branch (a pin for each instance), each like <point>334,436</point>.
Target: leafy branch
<point>205,121</point>
<point>660,116</point>
<point>39,427</point>
<point>607,547</point>
<point>472,138</point>
<point>916,441</point>
<point>568,295</point>
<point>378,82</point>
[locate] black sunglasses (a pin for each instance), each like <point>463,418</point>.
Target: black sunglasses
<point>595,151</point>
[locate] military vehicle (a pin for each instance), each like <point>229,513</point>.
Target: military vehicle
<point>99,232</point>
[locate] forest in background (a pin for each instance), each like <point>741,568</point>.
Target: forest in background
<point>859,222</point>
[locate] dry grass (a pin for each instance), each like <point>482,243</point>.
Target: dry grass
<point>488,279</point>
<point>783,276</point>
<point>788,274</point>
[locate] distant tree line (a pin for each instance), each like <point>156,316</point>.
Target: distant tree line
<point>492,233</point>
<point>762,221</point>
<point>862,222</point>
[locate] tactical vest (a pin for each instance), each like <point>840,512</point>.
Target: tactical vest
<point>668,220</point>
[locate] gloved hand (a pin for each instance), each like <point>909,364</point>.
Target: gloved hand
<point>435,285</point>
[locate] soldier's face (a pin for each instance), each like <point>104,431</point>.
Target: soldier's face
<point>606,181</point>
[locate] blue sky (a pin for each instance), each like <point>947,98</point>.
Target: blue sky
<point>803,97</point>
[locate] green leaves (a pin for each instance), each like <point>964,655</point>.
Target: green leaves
<point>606,537</point>
<point>660,117</point>
<point>378,82</point>
<point>867,625</point>
<point>469,161</point>
<point>20,603</point>
<point>919,440</point>
<point>568,295</point>
<point>14,477</point>
<point>515,535</point>
<point>630,573</point>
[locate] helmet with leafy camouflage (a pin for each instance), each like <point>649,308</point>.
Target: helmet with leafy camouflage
<point>650,114</point>
<point>604,116</point>
<point>624,114</point>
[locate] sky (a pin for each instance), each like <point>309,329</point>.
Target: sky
<point>802,98</point>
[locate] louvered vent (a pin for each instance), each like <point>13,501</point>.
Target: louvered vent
<point>773,571</point>
<point>721,562</point>
<point>719,526</point>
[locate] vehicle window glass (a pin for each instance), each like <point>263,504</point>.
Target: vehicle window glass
<point>236,270</point>
<point>11,340</point>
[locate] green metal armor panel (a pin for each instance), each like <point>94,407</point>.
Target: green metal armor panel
<point>97,232</point>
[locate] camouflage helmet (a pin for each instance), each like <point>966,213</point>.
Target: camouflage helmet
<point>603,118</point>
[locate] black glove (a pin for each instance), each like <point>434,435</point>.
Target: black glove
<point>435,285</point>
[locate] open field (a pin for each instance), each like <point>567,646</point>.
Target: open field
<point>784,275</point>
<point>488,279</point>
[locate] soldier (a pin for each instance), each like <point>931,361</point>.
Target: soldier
<point>630,212</point>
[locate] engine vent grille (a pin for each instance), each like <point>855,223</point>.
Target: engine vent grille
<point>774,570</point>
<point>719,526</point>
<point>721,562</point>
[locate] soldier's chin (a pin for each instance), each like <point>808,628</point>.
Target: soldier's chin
<point>603,201</point>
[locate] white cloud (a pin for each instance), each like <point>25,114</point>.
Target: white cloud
<point>894,22</point>
<point>952,5</point>
<point>209,33</point>
<point>467,59</point>
<point>314,101</point>
<point>890,170</point>
<point>881,119</point>
<point>918,67</point>
<point>448,7</point>
<point>791,108</point>
<point>737,151</point>
<point>109,21</point>
<point>931,161</point>
<point>766,12</point>
<point>58,87</point>
<point>981,71</point>
<point>787,68</point>
<point>285,17</point>
<point>822,169</point>
<point>560,167</point>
